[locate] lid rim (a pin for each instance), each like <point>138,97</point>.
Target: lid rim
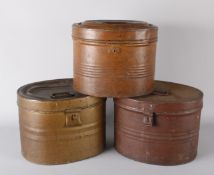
<point>23,91</point>
<point>131,30</point>
<point>193,98</point>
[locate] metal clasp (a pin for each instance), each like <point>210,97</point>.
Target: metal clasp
<point>149,116</point>
<point>148,120</point>
<point>72,118</point>
<point>114,50</point>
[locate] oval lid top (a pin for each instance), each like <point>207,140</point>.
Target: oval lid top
<point>59,89</point>
<point>114,30</point>
<point>114,24</point>
<point>168,92</point>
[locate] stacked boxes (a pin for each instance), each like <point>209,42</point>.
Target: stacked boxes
<point>156,122</point>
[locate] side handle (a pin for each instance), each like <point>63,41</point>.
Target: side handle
<point>62,95</point>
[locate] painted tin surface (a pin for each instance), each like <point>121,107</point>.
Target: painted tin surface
<point>160,128</point>
<point>59,125</point>
<point>114,58</point>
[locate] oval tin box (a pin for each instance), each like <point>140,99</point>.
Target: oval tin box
<point>160,128</point>
<point>114,58</point>
<point>59,125</point>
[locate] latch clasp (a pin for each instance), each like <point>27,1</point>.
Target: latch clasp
<point>72,118</point>
<point>148,120</point>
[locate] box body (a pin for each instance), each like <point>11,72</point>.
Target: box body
<point>161,128</point>
<point>59,125</point>
<point>114,58</point>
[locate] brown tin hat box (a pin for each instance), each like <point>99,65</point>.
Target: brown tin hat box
<point>59,125</point>
<point>161,128</point>
<point>114,58</point>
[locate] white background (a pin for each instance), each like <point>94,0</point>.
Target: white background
<point>36,44</point>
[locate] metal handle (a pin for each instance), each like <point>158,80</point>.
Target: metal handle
<point>62,95</point>
<point>161,92</point>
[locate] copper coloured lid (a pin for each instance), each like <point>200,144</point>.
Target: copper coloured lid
<point>114,30</point>
<point>168,92</point>
<point>59,89</point>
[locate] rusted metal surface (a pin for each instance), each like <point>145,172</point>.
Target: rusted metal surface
<point>59,125</point>
<point>114,58</point>
<point>160,128</point>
